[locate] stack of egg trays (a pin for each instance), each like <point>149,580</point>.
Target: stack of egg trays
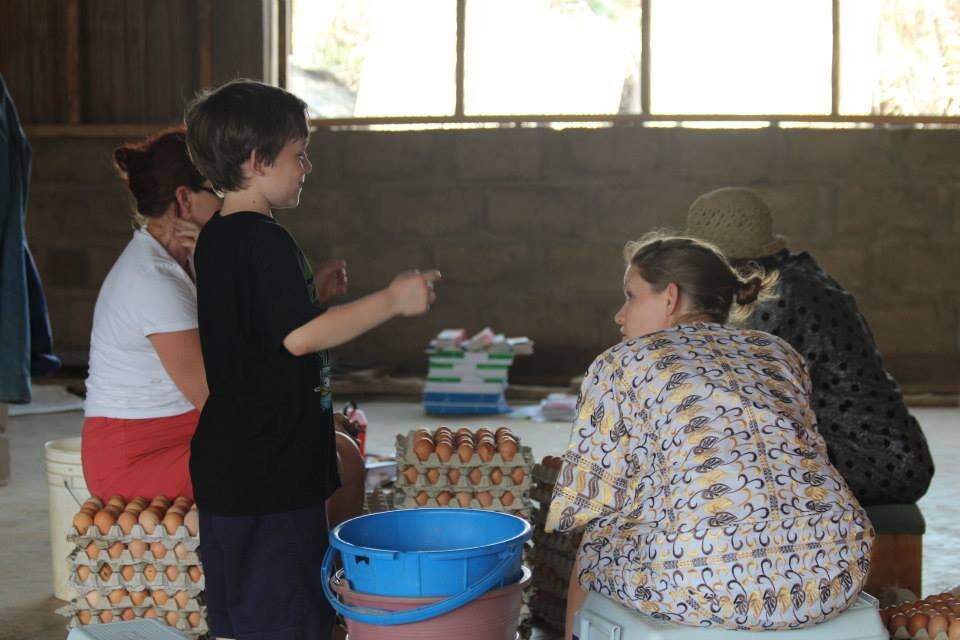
<point>138,582</point>
<point>406,492</point>
<point>552,556</point>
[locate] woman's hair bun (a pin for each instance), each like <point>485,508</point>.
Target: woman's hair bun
<point>125,156</point>
<point>749,290</point>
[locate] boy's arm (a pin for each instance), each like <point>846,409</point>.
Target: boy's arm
<point>409,294</point>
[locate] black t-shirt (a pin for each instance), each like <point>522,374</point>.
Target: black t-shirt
<point>265,442</point>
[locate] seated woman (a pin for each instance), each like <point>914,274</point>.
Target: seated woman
<point>695,464</point>
<point>146,383</point>
<point>871,436</point>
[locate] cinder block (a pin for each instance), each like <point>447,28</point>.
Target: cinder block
<point>839,155</point>
<point>426,212</point>
<point>734,156</point>
<point>509,154</point>
<point>616,150</point>
<point>546,212</point>
<point>872,211</point>
<point>388,153</point>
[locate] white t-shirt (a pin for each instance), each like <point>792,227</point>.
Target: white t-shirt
<point>146,292</point>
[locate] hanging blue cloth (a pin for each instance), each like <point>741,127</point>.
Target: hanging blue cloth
<point>24,323</point>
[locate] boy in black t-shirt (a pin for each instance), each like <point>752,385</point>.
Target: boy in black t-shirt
<point>263,459</point>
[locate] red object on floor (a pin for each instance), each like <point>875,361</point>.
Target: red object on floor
<point>143,457</point>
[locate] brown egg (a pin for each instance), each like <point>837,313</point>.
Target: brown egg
<point>104,520</point>
<point>106,616</point>
<point>138,502</point>
<point>127,572</point>
<point>507,449</point>
<point>149,572</point>
<point>502,432</point>
<point>517,475</point>
<point>172,521</point>
<point>442,430</point>
<point>137,548</point>
<point>193,619</point>
<point>192,521</point>
<point>443,498</point>
<point>83,616</point>
<point>444,451</point>
<point>161,500</point>
<point>183,502</point>
<point>182,598</point>
<point>423,448</point>
<point>116,550</point>
<point>464,498</point>
<point>94,502</point>
<point>116,596</point>
<point>939,623</point>
<point>138,597</point>
<point>475,476</point>
<point>484,498</point>
<point>411,473</point>
<point>172,573</point>
<point>496,476</point>
<point>433,475</point>
<point>422,498</point>
<point>453,475</point>
<point>127,614</point>
<point>92,598</point>
<point>82,521</point>
<point>105,572</point>
<point>953,631</point>
<point>465,451</point>
<point>897,621</point>
<point>117,501</point>
<point>83,572</point>
<point>160,596</point>
<point>486,450</point>
<point>149,519</point>
<point>181,551</point>
<point>126,520</point>
<point>917,621</point>
<point>158,550</point>
<point>506,499</point>
<point>464,431</point>
<point>150,613</point>
<point>194,572</point>
<point>92,550</point>
<point>172,618</point>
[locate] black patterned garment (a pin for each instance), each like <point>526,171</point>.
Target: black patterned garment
<point>871,437</point>
<point>706,492</point>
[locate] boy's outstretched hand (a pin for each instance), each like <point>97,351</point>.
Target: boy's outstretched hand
<point>331,279</point>
<point>412,292</point>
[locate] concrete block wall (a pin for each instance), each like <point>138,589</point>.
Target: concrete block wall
<point>527,225</point>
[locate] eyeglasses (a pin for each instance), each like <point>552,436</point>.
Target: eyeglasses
<point>211,192</point>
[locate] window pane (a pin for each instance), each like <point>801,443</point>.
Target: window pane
<point>741,56</point>
<point>374,57</point>
<point>552,57</point>
<point>900,57</point>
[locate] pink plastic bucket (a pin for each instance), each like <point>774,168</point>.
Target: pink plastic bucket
<point>493,616</point>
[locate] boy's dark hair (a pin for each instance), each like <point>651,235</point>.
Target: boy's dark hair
<point>226,123</point>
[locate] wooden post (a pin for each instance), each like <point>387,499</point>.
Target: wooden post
<point>72,63</point>
<point>645,57</point>
<point>205,42</point>
<point>835,75</point>
<point>461,41</point>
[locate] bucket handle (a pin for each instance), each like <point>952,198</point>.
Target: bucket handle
<point>66,485</point>
<point>381,617</point>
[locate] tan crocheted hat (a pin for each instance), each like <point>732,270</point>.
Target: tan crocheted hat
<point>737,221</point>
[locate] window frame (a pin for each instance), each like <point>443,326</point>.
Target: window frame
<point>643,117</point>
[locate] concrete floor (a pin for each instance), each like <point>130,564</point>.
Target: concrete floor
<point>26,603</point>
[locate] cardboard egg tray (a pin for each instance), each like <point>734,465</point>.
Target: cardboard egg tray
<point>116,580</point>
<point>464,483</point>
<point>193,604</point>
<point>406,499</point>
<point>115,534</point>
<point>70,611</point>
<point>406,456</point>
<point>125,558</point>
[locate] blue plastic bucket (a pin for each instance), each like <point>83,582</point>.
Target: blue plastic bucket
<point>455,553</point>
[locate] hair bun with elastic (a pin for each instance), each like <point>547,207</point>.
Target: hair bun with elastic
<point>749,290</point>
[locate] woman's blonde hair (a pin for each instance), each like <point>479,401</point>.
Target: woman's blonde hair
<point>704,276</point>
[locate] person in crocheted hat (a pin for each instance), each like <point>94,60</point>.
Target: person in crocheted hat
<point>871,436</point>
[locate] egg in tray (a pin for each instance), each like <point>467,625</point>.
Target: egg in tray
<point>137,560</point>
<point>936,617</point>
<point>485,469</point>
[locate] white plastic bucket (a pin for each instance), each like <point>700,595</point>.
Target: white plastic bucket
<point>67,490</point>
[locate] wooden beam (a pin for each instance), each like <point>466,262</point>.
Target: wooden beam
<point>461,42</point>
<point>835,59</point>
<point>645,57</point>
<point>205,42</point>
<point>72,62</point>
<point>284,25</point>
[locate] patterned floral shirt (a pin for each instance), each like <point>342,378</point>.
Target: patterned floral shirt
<point>707,494</point>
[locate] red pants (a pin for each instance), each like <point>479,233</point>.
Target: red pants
<point>142,457</point>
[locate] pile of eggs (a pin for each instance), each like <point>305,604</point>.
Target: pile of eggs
<point>936,617</point>
<point>484,443</point>
<point>160,538</point>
